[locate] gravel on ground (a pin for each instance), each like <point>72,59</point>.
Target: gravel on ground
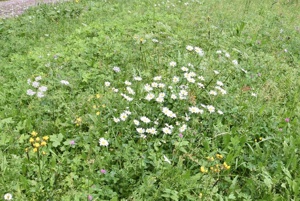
<point>12,8</point>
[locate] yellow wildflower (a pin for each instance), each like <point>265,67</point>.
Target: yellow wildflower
<point>98,113</point>
<point>43,143</point>
<point>94,106</point>
<point>33,133</point>
<point>46,138</point>
<point>35,150</point>
<point>31,140</point>
<point>210,158</point>
<point>203,170</point>
<point>227,167</point>
<point>43,152</point>
<point>98,96</point>
<point>37,139</point>
<point>26,149</point>
<point>36,145</point>
<point>219,156</point>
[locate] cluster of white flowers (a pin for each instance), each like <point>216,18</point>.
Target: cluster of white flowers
<point>159,94</point>
<point>39,90</point>
<point>195,110</point>
<point>168,112</point>
<point>198,50</point>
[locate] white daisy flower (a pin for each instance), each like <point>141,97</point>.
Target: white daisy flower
<point>195,110</point>
<point>175,79</point>
<point>29,81</point>
<point>167,130</point>
<point>201,78</point>
<point>64,82</point>
<point>154,84</point>
<point>162,85</point>
<point>160,99</point>
<point>162,95</point>
<point>148,88</point>
<point>151,131</point>
<point>136,122</point>
<point>130,90</point>
<point>103,142</point>
<point>123,116</point>
<point>173,63</point>
<point>183,128</point>
<point>227,55</point>
<point>8,196</point>
<point>235,62</point>
<point>173,96</point>
<point>219,51</point>
<point>219,83</point>
<point>214,93</point>
<point>127,83</point>
<point>137,78</point>
<point>210,108</point>
<point>150,96</point>
<point>107,84</point>
<point>157,78</point>
<point>115,90</point>
<point>200,85</point>
<point>140,130</point>
<point>189,48</point>
<point>143,136</point>
<point>216,72</point>
<point>254,94</point>
<point>145,120</point>
<point>117,120</point>
<point>199,51</point>
<point>184,69</point>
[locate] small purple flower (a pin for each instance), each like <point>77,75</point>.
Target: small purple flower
<point>116,69</point>
<point>287,120</point>
<point>103,171</point>
<point>72,142</point>
<point>180,135</point>
<point>90,197</point>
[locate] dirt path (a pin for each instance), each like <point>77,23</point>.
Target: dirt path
<point>12,8</point>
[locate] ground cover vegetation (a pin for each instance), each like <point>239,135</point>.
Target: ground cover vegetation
<point>151,100</point>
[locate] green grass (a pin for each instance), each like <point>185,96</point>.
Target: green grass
<point>250,152</point>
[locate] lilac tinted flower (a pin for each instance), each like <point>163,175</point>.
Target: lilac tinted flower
<point>90,197</point>
<point>103,171</point>
<point>116,69</point>
<point>43,88</point>
<point>72,142</point>
<point>30,92</point>
<point>35,84</point>
<point>180,135</point>
<point>287,120</point>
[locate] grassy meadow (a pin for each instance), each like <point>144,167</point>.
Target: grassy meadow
<point>151,100</point>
